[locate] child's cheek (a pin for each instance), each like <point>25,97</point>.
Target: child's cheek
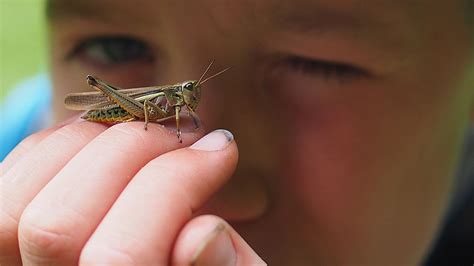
<point>367,170</point>
<point>328,165</point>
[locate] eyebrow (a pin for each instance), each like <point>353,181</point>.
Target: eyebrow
<point>56,10</point>
<point>60,9</point>
<point>317,21</point>
<point>318,17</point>
<point>314,20</point>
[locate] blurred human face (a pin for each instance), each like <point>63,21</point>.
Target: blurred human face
<point>348,114</point>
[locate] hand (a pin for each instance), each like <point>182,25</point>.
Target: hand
<point>89,194</point>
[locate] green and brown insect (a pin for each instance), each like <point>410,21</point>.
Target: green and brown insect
<point>157,103</point>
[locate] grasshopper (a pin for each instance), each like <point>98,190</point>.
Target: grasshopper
<point>157,103</point>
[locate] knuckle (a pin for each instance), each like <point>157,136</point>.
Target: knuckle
<point>39,237</point>
<point>20,150</point>
<point>130,135</point>
<point>107,255</point>
<point>29,142</point>
<point>75,133</point>
<point>136,130</point>
<point>68,130</point>
<point>8,233</point>
<point>132,130</point>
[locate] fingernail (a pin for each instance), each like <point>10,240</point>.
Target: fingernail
<point>214,141</point>
<point>216,249</point>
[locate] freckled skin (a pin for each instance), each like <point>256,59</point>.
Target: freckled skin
<point>358,172</point>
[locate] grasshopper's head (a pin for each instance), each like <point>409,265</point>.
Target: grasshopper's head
<point>192,89</point>
<point>191,94</point>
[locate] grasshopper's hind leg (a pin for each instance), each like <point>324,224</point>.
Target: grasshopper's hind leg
<point>129,104</point>
<point>152,112</point>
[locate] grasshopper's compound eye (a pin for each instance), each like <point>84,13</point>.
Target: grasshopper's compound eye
<point>188,86</point>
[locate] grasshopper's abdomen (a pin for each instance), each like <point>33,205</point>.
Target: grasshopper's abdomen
<point>115,114</point>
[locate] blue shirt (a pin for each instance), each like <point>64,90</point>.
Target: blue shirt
<point>24,110</point>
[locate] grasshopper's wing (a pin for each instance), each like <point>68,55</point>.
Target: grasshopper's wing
<point>98,100</point>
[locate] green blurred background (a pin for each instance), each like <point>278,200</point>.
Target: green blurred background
<point>23,47</point>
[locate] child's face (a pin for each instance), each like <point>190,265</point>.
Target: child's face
<point>348,114</point>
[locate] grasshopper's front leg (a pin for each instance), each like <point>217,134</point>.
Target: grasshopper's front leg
<point>177,109</point>
<point>195,117</point>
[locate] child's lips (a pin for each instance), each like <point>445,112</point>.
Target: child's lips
<point>245,197</point>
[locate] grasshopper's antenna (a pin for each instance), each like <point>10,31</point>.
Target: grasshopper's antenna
<point>213,76</point>
<point>205,72</point>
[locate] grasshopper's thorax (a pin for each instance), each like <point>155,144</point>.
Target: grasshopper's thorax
<point>191,94</point>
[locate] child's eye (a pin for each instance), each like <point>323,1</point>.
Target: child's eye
<point>111,50</point>
<point>328,70</point>
<point>296,83</point>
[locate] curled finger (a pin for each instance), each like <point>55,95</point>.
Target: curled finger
<point>209,240</point>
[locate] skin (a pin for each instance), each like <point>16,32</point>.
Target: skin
<point>334,169</point>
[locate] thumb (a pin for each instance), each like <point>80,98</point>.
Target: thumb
<point>209,240</point>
